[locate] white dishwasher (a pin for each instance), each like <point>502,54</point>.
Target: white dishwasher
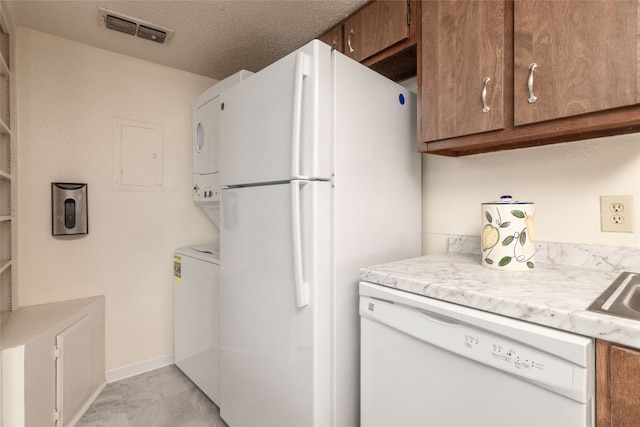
<point>426,362</point>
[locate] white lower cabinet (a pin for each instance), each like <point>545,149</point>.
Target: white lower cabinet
<point>52,362</point>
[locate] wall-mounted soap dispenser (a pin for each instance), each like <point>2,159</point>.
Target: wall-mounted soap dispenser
<point>69,209</point>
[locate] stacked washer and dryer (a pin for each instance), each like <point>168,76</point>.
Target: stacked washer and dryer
<point>196,267</point>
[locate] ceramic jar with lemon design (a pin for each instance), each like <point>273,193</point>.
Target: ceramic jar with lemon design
<point>507,235</point>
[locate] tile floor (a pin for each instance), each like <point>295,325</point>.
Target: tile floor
<point>163,397</point>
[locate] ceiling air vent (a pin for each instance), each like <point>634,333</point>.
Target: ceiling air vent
<point>151,34</point>
<point>135,27</point>
<point>124,26</point>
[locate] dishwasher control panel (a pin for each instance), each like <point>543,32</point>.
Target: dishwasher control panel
<point>512,356</point>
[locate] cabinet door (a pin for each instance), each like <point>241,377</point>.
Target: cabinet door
<point>73,369</point>
<point>625,388</point>
<point>617,385</point>
<point>586,56</point>
<point>462,46</point>
<point>333,37</point>
<point>376,27</point>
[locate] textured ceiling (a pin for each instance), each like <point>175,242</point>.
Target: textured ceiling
<point>213,38</point>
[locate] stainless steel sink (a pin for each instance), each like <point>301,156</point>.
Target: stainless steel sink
<point>621,298</point>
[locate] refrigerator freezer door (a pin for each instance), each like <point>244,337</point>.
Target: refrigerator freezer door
<point>275,117</point>
<point>269,343</point>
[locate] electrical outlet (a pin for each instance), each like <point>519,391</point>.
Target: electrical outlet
<point>616,213</point>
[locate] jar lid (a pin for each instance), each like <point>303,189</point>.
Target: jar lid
<point>507,200</point>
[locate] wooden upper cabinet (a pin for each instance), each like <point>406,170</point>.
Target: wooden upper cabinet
<point>382,35</point>
<point>586,56</point>
<point>585,82</point>
<point>375,27</point>
<point>333,37</point>
<point>462,76</point>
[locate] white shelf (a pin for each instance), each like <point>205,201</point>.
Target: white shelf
<point>4,69</point>
<point>4,264</point>
<point>8,171</point>
<point>4,128</point>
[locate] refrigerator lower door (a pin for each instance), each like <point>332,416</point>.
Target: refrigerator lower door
<point>270,360</point>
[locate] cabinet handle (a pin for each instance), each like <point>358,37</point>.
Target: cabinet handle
<point>485,107</point>
<point>349,41</point>
<point>532,97</point>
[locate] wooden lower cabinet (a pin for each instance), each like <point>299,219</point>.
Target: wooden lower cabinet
<point>617,385</point>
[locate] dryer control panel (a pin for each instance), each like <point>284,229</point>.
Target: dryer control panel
<point>205,188</point>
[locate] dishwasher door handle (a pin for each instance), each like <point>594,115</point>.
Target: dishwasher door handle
<point>438,318</point>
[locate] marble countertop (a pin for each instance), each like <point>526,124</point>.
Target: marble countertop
<point>566,280</point>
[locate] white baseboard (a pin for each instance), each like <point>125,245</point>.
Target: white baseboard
<point>138,368</point>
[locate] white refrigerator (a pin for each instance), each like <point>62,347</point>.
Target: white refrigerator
<point>320,176</point>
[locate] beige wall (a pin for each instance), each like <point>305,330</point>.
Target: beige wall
<point>68,97</point>
<point>565,181</point>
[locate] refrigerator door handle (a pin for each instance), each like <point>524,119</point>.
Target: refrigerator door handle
<point>300,72</point>
<point>301,288</point>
